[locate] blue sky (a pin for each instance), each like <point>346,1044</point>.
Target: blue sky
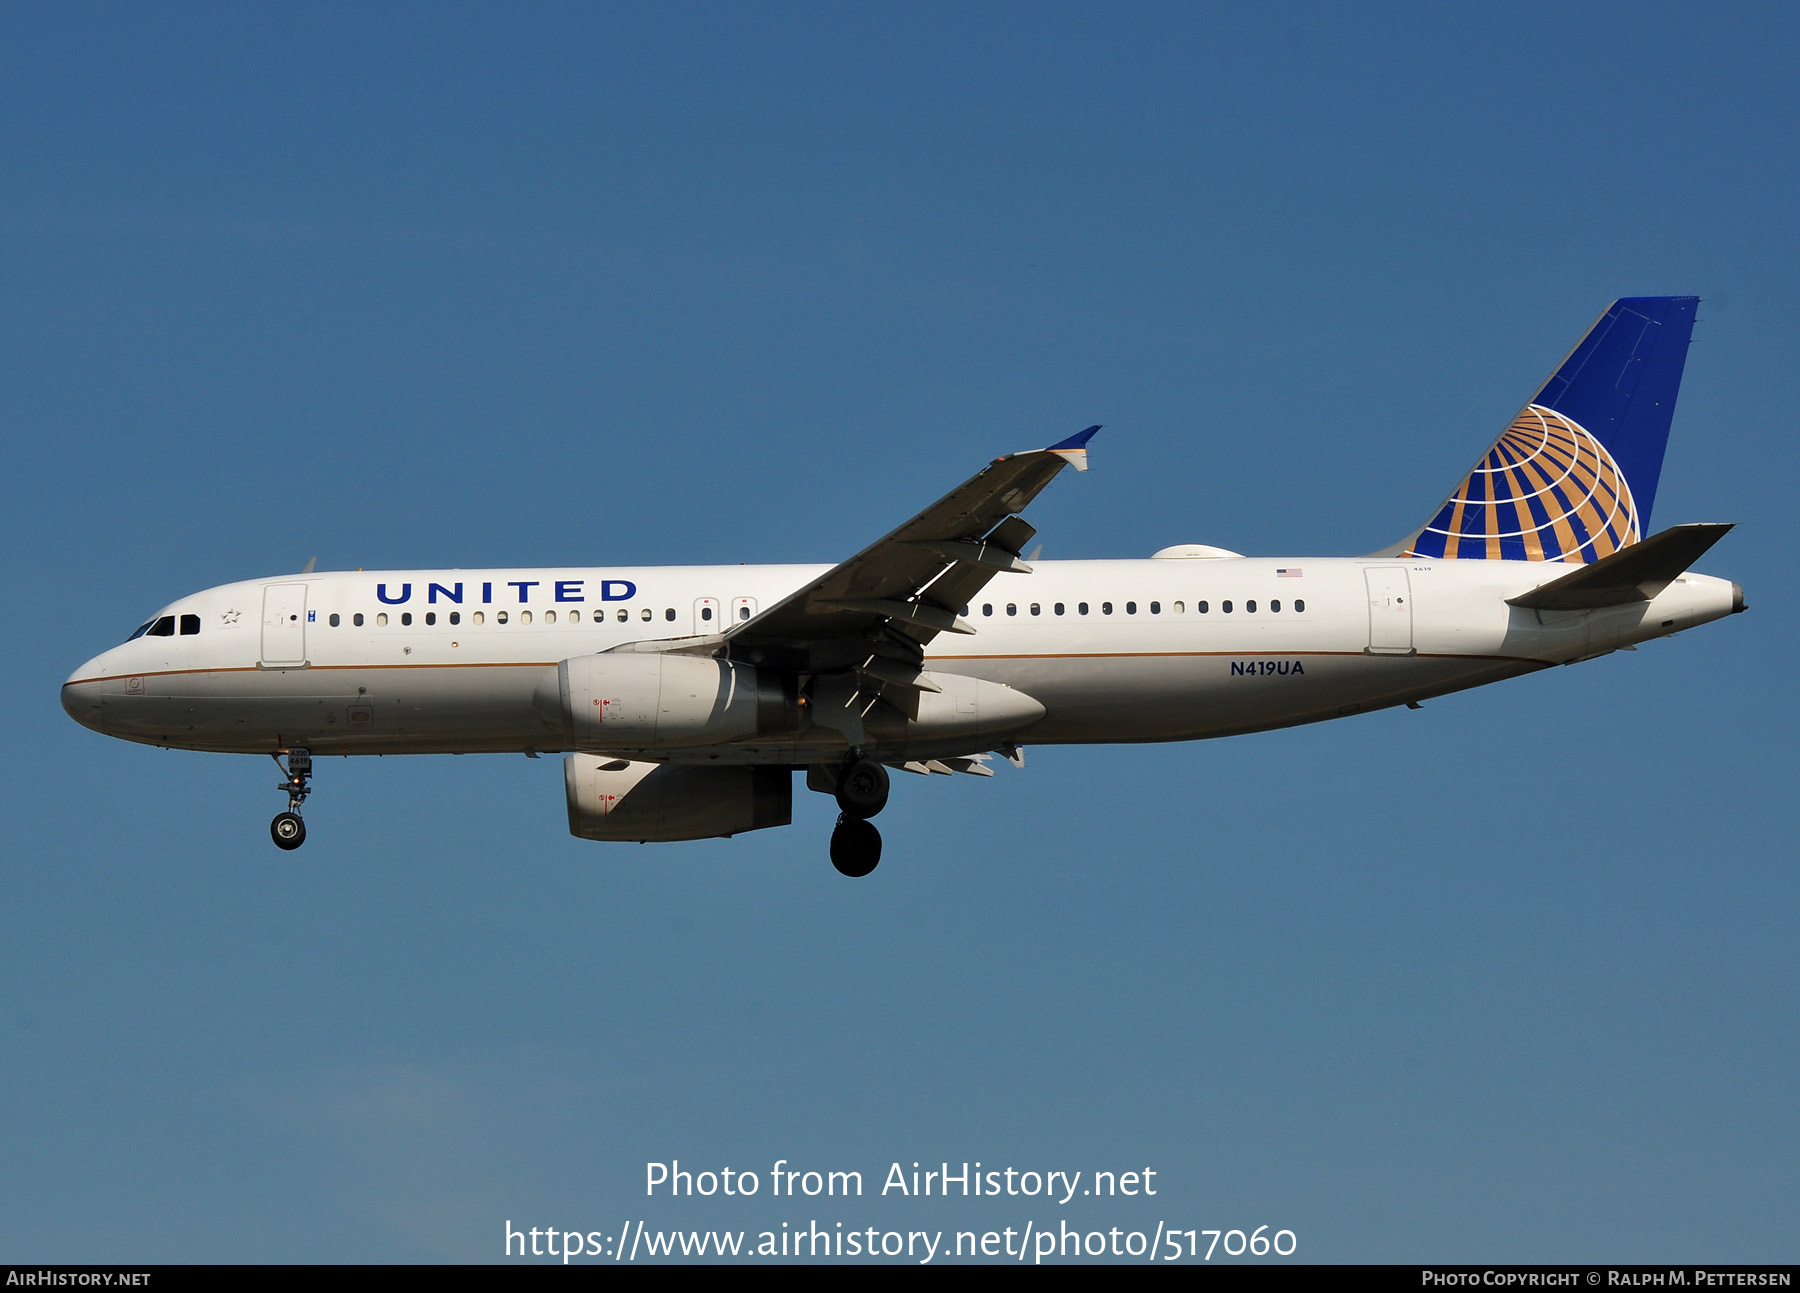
<point>1510,977</point>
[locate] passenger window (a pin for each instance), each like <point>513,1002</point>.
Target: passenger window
<point>1081,608</point>
<point>406,617</point>
<point>334,619</point>
<point>623,616</point>
<point>1226,607</point>
<point>744,612</point>
<point>1201,608</point>
<point>1059,608</point>
<point>1131,608</point>
<point>1106,608</point>
<point>381,619</point>
<point>706,614</point>
<point>1178,607</point>
<point>1299,606</point>
<point>669,614</point>
<point>1012,608</point>
<point>1156,608</point>
<point>475,617</point>
<point>162,627</point>
<point>987,608</point>
<point>456,617</point>
<point>574,617</point>
<point>1036,609</point>
<point>1275,607</point>
<point>356,619</point>
<point>647,614</point>
<point>190,625</point>
<point>549,617</point>
<point>1250,607</point>
<point>499,617</point>
<point>431,617</point>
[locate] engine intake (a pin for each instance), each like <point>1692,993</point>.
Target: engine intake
<point>622,800</point>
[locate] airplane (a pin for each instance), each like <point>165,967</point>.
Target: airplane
<point>685,699</point>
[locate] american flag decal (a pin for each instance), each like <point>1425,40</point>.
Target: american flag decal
<point>1288,572</point>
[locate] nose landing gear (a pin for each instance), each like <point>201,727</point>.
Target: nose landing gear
<point>862,791</point>
<point>287,830</point>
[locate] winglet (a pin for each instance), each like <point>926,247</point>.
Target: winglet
<point>1074,449</point>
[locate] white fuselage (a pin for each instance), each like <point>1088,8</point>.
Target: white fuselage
<point>448,661</point>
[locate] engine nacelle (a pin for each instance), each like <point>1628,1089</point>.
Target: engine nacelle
<point>651,702</point>
<point>622,800</point>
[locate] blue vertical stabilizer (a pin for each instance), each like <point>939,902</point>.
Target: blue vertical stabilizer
<point>1574,476</point>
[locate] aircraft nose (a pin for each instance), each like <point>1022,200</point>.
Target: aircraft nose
<point>81,695</point>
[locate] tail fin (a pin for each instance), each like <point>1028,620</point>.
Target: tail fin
<point>1573,478</point>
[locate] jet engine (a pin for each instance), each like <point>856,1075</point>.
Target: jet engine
<point>653,702</point>
<point>622,800</point>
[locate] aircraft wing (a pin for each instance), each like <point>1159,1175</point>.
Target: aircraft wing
<point>875,612</point>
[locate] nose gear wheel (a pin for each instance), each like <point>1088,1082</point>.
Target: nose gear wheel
<point>288,831</point>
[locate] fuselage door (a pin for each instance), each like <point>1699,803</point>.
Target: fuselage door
<point>706,615</point>
<point>1390,610</point>
<point>284,624</point>
<point>742,608</point>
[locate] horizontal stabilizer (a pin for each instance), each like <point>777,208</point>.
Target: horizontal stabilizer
<point>1634,574</point>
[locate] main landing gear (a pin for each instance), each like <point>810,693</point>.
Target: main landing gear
<point>287,830</point>
<point>862,791</point>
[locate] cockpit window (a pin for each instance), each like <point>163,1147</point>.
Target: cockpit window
<point>190,625</point>
<point>140,630</point>
<point>161,627</point>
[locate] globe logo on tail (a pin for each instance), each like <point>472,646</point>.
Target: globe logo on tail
<point>1547,491</point>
